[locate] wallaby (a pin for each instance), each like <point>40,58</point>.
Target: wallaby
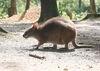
<point>56,30</point>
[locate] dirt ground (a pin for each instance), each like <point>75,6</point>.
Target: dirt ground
<point>15,50</point>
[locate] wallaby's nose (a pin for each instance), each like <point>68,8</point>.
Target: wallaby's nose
<point>25,36</point>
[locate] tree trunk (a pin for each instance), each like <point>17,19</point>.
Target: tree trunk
<point>48,10</point>
<point>12,10</point>
<point>93,14</point>
<point>92,7</point>
<point>79,3</point>
<point>27,4</point>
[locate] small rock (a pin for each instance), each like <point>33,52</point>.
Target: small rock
<point>58,66</point>
<point>90,66</point>
<point>87,49</point>
<point>59,58</point>
<point>65,69</point>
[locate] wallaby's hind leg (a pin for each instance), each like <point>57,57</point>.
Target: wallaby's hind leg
<point>66,47</point>
<point>66,41</point>
<point>54,46</point>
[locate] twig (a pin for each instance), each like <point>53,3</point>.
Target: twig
<point>35,56</point>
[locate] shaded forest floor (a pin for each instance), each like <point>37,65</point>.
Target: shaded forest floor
<point>15,50</point>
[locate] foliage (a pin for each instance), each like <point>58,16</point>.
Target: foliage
<point>64,7</point>
<point>72,6</point>
<point>67,6</point>
<point>4,4</point>
<point>20,4</point>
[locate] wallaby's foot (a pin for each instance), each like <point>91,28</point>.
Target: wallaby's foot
<point>49,48</point>
<point>35,48</point>
<point>54,47</point>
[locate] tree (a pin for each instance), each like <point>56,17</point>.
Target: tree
<point>93,13</point>
<point>27,4</point>
<point>79,3</point>
<point>92,7</point>
<point>12,10</point>
<point>27,7</point>
<point>48,10</point>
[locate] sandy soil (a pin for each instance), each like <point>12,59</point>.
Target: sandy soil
<point>15,50</point>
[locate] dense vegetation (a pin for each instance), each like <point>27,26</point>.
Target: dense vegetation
<point>65,7</point>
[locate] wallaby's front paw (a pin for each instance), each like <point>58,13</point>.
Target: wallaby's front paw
<point>35,48</point>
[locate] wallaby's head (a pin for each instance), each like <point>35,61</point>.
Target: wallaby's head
<point>31,31</point>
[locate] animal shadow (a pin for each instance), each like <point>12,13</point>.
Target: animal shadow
<point>51,49</point>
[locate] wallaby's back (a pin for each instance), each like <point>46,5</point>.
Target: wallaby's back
<point>57,29</point>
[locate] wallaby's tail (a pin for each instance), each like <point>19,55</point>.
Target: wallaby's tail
<point>80,46</point>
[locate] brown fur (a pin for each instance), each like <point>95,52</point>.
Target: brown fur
<point>57,30</point>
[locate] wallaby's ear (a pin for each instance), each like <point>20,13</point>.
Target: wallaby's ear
<point>35,25</point>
